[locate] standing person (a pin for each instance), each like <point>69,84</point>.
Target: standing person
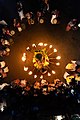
<point>20,10</point>
<point>3,22</point>
<point>47,4</point>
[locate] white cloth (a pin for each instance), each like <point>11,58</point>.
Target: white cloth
<point>3,85</point>
<point>21,15</point>
<point>66,75</point>
<point>53,17</point>
<point>3,22</point>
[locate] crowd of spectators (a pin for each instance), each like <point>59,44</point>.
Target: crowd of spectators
<point>44,14</point>
<point>24,19</point>
<point>21,98</point>
<point>3,70</point>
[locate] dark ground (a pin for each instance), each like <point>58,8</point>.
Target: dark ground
<point>67,44</point>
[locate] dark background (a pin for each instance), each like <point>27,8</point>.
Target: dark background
<point>70,8</point>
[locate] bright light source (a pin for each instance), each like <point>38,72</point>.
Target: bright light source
<point>23,59</point>
<point>41,55</point>
<point>53,72</point>
<point>49,74</point>
<point>40,44</point>
<point>25,68</point>
<point>55,50</point>
<point>50,46</point>
<point>35,76</point>
<point>33,45</point>
<point>79,25</point>
<point>45,44</point>
<point>30,73</point>
<point>58,57</point>
<point>27,48</point>
<point>58,64</point>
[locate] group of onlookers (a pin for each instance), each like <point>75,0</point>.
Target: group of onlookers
<point>24,20</point>
<point>73,25</point>
<point>3,70</point>
<point>42,15</point>
<point>21,97</point>
<point>22,88</point>
<point>57,87</point>
<point>72,72</point>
